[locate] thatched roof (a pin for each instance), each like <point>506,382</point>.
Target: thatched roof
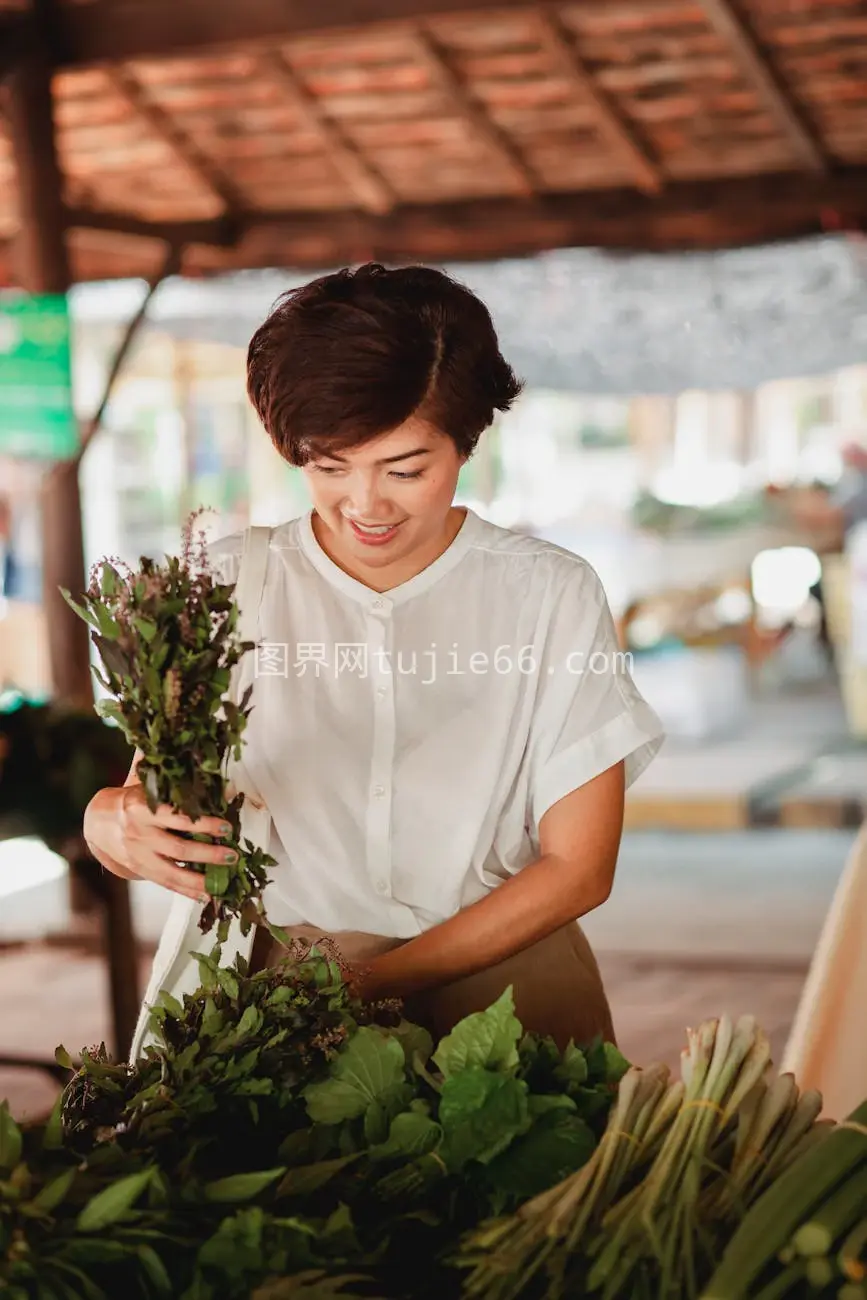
<point>267,133</point>
<point>587,321</point>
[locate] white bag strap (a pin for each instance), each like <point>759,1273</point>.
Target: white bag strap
<point>248,591</point>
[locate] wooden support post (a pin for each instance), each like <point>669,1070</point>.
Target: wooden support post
<point>43,267</point>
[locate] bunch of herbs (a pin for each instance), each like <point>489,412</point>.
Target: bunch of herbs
<point>167,638</point>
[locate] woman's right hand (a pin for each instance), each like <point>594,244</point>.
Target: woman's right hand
<point>119,826</point>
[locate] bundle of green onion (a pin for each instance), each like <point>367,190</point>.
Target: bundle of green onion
<point>680,1162</point>
<point>808,1233</point>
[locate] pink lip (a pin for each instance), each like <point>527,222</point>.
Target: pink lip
<point>369,539</point>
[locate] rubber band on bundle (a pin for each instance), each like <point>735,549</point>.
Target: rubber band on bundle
<point>622,1133</point>
<point>704,1102</point>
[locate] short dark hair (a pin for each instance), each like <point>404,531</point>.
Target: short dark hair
<point>354,354</point>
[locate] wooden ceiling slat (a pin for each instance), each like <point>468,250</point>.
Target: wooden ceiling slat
<point>443,75</point>
<point>160,122</point>
<point>726,20</point>
<point>670,72</point>
<point>361,176</point>
<point>697,215</point>
<point>612,124</point>
<point>360,80</point>
<point>656,16</point>
<point>814,30</point>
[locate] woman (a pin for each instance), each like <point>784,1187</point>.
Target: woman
<point>443,726</point>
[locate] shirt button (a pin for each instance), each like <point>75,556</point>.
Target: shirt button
<point>378,604</point>
<point>381,692</point>
<point>379,791</point>
<point>382,887</point>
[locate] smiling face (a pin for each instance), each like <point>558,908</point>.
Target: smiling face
<point>383,511</point>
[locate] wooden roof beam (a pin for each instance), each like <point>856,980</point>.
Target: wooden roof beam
<point>114,31</point>
<point>612,123</point>
<point>686,215</point>
<point>365,182</point>
<point>205,172</point>
<point>733,28</point>
<point>485,130</point>
<point>219,232</point>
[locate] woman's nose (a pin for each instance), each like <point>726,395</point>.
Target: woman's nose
<point>364,498</point>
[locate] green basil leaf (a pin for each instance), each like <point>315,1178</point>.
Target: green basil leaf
<point>113,1202</point>
<point>241,1187</point>
<point>54,1192</point>
<point>216,879</point>
<point>155,1269</point>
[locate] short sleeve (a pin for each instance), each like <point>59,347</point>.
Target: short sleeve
<point>589,713</point>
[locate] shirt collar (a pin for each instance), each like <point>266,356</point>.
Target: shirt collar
<point>414,586</point>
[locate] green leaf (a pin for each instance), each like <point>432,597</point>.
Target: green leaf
<point>486,1038</point>
<point>80,610</point>
<point>241,1187</point>
<point>555,1147</point>
<point>110,580</point>
<point>216,879</point>
<point>227,981</point>
<point>145,628</point>
<point>616,1064</point>
<point>250,1023</point>
<point>52,1135</point>
<point>572,1070</point>
<point>113,1202</point>
<point>481,1113</point>
<point>110,708</point>
<point>63,1058</point>
<point>171,1004</point>
<point>411,1134</point>
<point>307,1179</point>
<point>415,1041</point>
<point>107,625</point>
<point>545,1103</point>
<point>11,1141</point>
<point>155,1269</point>
<point>212,1019</point>
<point>54,1192</point>
<point>369,1065</point>
<point>381,1111</point>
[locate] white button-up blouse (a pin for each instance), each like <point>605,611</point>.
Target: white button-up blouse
<point>407,744</point>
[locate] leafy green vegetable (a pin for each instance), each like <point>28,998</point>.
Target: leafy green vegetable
<point>368,1067</point>
<point>487,1038</point>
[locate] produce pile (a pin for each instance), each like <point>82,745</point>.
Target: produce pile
<point>279,1138</point>
<point>723,1184</point>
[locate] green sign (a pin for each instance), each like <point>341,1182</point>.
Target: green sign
<point>36,413</point>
